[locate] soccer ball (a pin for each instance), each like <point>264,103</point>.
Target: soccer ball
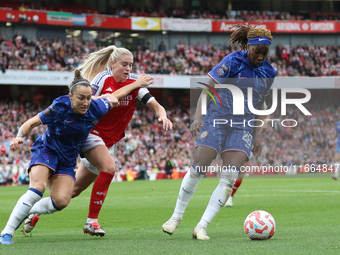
<point>259,225</point>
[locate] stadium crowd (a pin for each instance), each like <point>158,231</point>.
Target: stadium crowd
<point>43,54</point>
<point>205,11</point>
<point>146,146</point>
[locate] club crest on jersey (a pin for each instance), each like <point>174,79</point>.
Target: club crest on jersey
<point>46,157</point>
<point>204,134</point>
<point>222,70</point>
<point>49,110</point>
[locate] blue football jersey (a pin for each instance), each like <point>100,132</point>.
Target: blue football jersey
<point>66,131</point>
<point>338,139</point>
<point>235,69</point>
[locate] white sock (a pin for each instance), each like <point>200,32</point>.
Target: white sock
<point>337,166</point>
<point>186,191</point>
<point>91,220</point>
<point>44,206</point>
<point>21,210</point>
<point>217,201</point>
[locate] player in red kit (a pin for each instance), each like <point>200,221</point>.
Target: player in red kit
<point>109,69</point>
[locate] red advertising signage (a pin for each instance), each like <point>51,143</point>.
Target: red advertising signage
<point>285,26</point>
<point>38,17</point>
<point>104,21</point>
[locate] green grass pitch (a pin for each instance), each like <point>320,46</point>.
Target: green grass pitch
<point>306,211</point>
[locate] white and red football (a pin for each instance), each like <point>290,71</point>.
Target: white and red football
<point>259,225</point>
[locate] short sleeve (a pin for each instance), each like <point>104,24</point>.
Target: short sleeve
<point>98,82</point>
<point>102,106</point>
<point>221,72</point>
<point>49,114</point>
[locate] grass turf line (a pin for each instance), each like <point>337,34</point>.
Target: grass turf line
<point>306,212</point>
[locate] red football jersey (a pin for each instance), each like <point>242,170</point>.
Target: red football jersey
<point>111,127</point>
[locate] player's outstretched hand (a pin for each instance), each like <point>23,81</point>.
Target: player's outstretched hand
<point>145,80</point>
<point>167,124</point>
<point>257,147</point>
<point>195,128</point>
<point>15,144</point>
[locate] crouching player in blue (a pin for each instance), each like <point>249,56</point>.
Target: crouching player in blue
<point>69,119</point>
<point>243,69</point>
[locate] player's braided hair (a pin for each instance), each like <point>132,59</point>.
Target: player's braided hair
<point>245,32</point>
<point>99,61</point>
<point>78,80</point>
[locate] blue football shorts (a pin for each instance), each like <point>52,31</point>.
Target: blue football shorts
<point>224,138</point>
<point>40,155</point>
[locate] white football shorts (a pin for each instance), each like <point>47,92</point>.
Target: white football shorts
<point>92,141</point>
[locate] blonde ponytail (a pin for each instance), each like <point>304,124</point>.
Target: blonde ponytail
<point>99,61</point>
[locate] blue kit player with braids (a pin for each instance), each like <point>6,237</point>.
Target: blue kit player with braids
<point>69,119</point>
<point>337,152</point>
<point>236,138</point>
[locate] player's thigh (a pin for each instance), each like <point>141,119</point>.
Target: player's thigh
<point>38,176</point>
<point>203,155</point>
<point>237,147</point>
<point>83,179</point>
<point>99,156</point>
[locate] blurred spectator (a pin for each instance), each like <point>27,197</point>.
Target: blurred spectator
<point>169,166</point>
<point>161,47</point>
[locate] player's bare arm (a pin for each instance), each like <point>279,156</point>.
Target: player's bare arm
<point>23,131</point>
<point>160,113</point>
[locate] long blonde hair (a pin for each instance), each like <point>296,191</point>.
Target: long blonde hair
<point>99,61</point>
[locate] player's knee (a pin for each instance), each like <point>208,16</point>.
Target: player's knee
<point>38,186</point>
<point>61,201</point>
<point>76,192</point>
<point>109,168</point>
<point>195,174</point>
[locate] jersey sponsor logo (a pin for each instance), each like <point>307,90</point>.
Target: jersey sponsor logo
<point>222,70</point>
<point>109,89</point>
<point>204,134</point>
<point>125,101</point>
<point>94,89</point>
<point>49,110</point>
